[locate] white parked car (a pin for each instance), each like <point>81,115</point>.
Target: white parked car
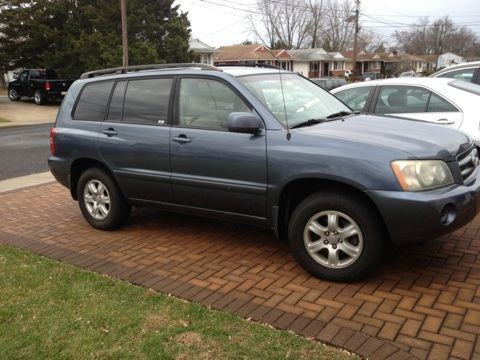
<point>445,101</point>
<point>467,71</point>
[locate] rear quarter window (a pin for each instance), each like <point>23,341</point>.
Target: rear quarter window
<point>93,101</point>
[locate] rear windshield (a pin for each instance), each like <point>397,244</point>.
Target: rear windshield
<point>466,86</point>
<point>43,74</point>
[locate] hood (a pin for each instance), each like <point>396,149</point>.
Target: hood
<point>422,140</point>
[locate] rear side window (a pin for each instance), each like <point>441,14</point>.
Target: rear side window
<point>438,104</point>
<point>146,101</point>
<point>402,99</point>
<point>92,104</point>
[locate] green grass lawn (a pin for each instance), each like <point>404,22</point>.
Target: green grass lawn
<point>3,120</point>
<point>52,310</point>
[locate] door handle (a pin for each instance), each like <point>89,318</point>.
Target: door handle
<point>182,139</point>
<point>110,132</point>
<point>445,121</point>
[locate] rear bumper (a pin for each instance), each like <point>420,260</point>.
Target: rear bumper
<point>412,217</point>
<point>60,170</point>
<point>54,94</point>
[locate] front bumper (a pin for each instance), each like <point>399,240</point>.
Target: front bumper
<point>413,217</point>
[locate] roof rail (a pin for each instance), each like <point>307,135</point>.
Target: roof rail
<point>268,66</point>
<point>126,69</point>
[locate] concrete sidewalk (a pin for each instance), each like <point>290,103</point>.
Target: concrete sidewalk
<point>26,181</point>
<point>26,112</point>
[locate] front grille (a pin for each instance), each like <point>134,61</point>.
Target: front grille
<point>467,162</point>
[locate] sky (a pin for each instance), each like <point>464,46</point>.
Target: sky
<point>226,22</point>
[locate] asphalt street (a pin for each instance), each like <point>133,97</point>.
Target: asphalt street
<point>24,150</point>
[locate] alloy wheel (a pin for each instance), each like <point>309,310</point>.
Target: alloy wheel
<point>333,239</point>
<point>97,199</point>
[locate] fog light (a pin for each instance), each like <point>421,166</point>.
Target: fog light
<point>448,214</point>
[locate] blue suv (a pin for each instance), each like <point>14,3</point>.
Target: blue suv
<point>265,147</point>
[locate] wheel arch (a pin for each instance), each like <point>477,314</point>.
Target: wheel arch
<point>79,166</point>
<point>295,191</point>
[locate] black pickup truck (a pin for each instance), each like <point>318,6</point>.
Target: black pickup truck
<point>41,84</point>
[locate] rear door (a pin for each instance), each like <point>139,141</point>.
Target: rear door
<point>213,168</point>
<point>134,138</point>
<point>415,102</point>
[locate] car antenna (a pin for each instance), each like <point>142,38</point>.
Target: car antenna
<point>289,135</point>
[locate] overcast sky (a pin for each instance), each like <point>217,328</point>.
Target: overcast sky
<point>225,22</point>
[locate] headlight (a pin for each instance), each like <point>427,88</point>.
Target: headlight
<point>419,175</point>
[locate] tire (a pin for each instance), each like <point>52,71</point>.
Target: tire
<point>13,94</point>
<point>93,205</point>
<point>39,98</point>
<point>320,209</point>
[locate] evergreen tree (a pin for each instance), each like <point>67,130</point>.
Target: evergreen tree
<point>74,36</point>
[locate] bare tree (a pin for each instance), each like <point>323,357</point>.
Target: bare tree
<point>337,33</point>
<point>369,42</point>
<point>316,18</point>
<point>425,37</point>
<point>282,23</point>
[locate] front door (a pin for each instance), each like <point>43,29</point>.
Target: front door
<point>213,168</point>
<point>134,138</point>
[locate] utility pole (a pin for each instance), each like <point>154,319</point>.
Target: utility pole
<point>123,8</point>
<point>357,14</point>
<point>354,18</point>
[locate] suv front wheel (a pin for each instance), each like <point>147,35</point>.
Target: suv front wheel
<point>101,202</point>
<point>336,236</point>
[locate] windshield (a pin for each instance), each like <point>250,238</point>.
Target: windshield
<point>303,99</point>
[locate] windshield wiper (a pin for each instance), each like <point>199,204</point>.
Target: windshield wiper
<point>308,122</point>
<point>337,115</point>
<point>342,113</point>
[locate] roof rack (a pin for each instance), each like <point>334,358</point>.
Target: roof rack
<point>127,69</point>
<point>268,66</point>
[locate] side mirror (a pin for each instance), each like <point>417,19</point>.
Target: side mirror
<point>244,122</point>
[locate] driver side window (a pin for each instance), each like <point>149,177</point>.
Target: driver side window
<point>206,104</point>
<point>355,98</point>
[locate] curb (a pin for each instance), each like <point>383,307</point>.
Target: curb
<point>26,181</point>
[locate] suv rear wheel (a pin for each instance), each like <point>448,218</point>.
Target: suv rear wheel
<point>101,202</point>
<point>336,236</point>
<point>39,98</point>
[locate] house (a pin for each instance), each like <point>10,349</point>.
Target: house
<point>203,53</point>
<point>317,62</point>
<point>244,54</point>
<point>429,62</point>
<point>448,59</point>
<point>364,62</point>
<point>284,59</point>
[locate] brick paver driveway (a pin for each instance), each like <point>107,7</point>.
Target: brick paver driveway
<point>424,301</point>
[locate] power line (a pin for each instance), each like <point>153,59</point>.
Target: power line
<point>224,28</point>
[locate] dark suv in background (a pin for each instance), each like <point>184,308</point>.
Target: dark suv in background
<point>265,147</point>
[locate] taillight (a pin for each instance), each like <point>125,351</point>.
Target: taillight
<point>47,86</point>
<point>53,133</point>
